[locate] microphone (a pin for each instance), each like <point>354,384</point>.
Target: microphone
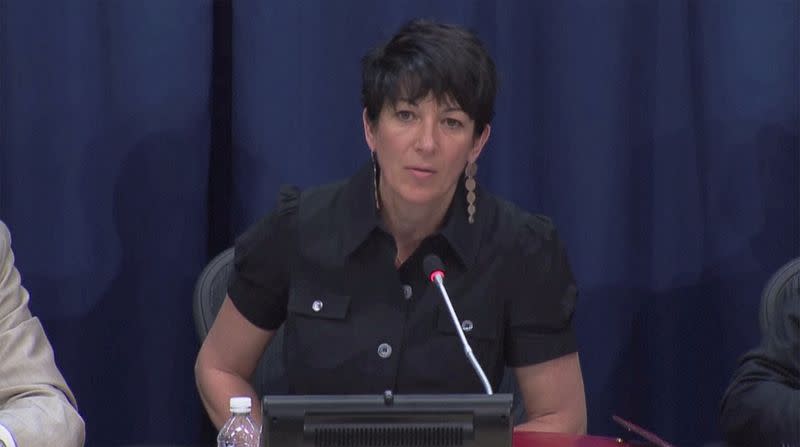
<point>434,270</point>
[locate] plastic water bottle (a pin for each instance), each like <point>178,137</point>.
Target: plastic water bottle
<point>239,430</point>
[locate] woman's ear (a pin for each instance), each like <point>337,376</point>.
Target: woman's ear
<point>480,143</point>
<point>369,135</point>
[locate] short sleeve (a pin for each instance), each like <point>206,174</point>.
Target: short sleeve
<point>260,278</point>
<point>542,295</point>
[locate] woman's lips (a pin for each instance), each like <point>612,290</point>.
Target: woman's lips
<point>420,172</point>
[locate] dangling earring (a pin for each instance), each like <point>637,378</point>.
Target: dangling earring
<point>375,180</point>
<point>469,182</point>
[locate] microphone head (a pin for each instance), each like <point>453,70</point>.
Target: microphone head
<point>432,265</point>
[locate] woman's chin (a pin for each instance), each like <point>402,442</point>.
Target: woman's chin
<point>420,197</point>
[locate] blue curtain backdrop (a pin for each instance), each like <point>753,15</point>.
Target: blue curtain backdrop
<point>139,137</point>
<point>103,175</point>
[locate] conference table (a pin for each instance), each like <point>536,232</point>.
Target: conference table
<point>531,439</point>
<point>534,439</point>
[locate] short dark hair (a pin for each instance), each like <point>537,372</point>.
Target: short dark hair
<point>430,58</point>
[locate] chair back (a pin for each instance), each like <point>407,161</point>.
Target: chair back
<point>209,292</point>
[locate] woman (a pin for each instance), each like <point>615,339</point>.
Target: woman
<point>341,265</point>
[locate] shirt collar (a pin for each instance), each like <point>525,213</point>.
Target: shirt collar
<point>362,218</point>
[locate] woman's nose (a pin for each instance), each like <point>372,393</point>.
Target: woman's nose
<point>426,140</point>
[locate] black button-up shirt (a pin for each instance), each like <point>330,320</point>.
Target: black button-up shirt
<point>322,264</point>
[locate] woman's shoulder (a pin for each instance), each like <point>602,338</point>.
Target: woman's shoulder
<point>292,198</point>
<point>527,226</point>
<point>272,240</point>
<point>274,226</point>
<point>321,199</point>
<point>534,250</point>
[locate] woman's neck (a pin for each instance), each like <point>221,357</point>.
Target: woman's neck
<point>409,223</point>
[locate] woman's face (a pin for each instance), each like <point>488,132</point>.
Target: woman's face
<point>423,148</point>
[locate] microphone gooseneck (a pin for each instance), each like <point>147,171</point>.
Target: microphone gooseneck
<point>434,270</point>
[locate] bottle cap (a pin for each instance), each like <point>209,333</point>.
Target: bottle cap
<point>240,404</point>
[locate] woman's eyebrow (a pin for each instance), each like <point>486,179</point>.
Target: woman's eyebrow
<point>452,109</point>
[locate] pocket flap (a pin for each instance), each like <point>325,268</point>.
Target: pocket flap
<point>477,325</point>
<point>307,301</point>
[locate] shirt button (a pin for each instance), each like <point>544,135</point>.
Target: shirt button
<point>316,306</point>
<point>467,325</point>
<point>408,292</point>
<point>384,350</point>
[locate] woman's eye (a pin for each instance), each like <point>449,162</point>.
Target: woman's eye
<point>452,123</point>
<point>405,115</point>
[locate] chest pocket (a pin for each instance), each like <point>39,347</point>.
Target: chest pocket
<point>476,324</point>
<point>306,301</point>
<point>319,331</point>
<point>482,330</point>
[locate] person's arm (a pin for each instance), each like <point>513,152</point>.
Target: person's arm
<point>553,395</point>
<point>227,359</point>
<point>540,342</point>
<point>36,406</point>
<point>251,313</point>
